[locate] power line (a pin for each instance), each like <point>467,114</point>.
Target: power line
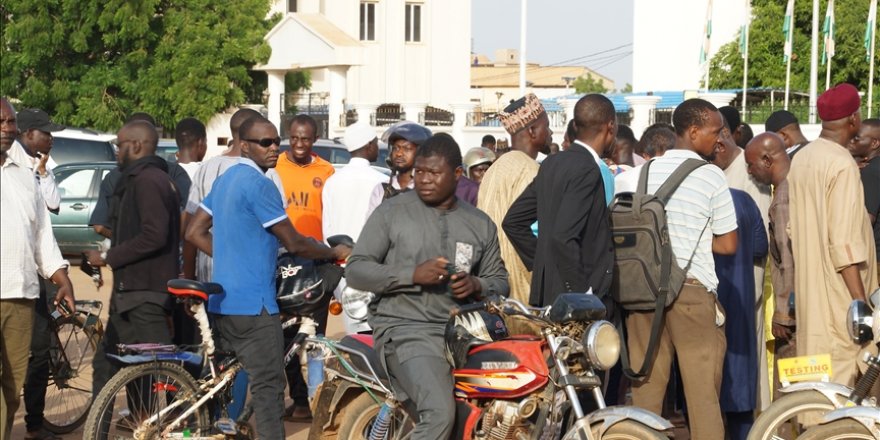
<point>582,59</point>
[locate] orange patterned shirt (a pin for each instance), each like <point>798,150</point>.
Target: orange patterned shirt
<point>302,192</point>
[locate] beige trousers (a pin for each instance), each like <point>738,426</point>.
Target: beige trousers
<point>16,322</point>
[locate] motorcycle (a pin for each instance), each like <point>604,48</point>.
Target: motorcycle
<point>862,420</point>
<point>827,399</point>
<point>506,387</point>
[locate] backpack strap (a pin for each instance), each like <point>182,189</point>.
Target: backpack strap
<point>676,178</point>
<point>642,187</point>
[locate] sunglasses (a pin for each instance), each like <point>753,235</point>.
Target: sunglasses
<point>265,142</point>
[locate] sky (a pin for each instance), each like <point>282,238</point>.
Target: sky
<point>594,34</point>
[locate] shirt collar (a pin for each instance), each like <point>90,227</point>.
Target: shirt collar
<point>687,154</point>
<point>359,161</point>
<point>10,162</point>
<point>250,163</point>
<point>591,150</point>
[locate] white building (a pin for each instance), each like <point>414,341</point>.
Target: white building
<point>668,36</point>
<point>366,53</point>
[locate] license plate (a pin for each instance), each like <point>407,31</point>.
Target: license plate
<point>805,368</point>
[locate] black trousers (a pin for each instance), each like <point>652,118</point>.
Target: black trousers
<point>37,378</point>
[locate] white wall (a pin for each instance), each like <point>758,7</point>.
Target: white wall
<point>668,35</point>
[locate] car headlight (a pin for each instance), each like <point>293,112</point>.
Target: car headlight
<point>602,344</point>
<point>355,303</point>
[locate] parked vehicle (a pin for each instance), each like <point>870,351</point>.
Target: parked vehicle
<point>505,387</point>
<point>335,152</point>
<point>75,145</point>
<point>78,185</point>
<point>827,400</point>
<point>167,149</point>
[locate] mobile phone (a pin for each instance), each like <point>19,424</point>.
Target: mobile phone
<point>64,307</point>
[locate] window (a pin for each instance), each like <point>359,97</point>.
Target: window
<point>368,21</point>
<point>291,5</point>
<point>413,22</point>
<point>75,184</point>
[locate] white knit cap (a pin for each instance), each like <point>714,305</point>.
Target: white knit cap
<point>358,136</point>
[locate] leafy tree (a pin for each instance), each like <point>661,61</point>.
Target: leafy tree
<point>586,84</point>
<point>628,88</point>
<point>92,62</point>
<point>766,66</point>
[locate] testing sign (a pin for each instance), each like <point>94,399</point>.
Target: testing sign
<point>805,368</point>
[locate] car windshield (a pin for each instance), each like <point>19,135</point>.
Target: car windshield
<point>67,150</point>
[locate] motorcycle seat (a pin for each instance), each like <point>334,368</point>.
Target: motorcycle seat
<point>364,344</point>
<point>183,288</point>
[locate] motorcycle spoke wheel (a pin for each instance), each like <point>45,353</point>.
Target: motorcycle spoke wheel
<point>787,417</point>
<point>845,429</point>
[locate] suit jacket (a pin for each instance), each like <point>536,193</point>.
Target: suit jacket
<point>573,251</point>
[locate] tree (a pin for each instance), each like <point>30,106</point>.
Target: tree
<point>91,63</point>
<point>766,66</point>
<point>586,84</point>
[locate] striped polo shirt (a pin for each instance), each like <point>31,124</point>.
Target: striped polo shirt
<point>702,200</point>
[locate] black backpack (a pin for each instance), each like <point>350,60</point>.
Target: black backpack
<point>646,275</point>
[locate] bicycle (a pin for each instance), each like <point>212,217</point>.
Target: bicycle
<point>74,339</point>
<point>157,398</point>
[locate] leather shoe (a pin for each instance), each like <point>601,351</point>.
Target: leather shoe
<point>41,434</point>
<point>299,414</point>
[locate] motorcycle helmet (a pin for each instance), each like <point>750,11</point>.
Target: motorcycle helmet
<point>477,156</point>
<point>415,133</point>
<point>299,287</point>
<point>465,331</point>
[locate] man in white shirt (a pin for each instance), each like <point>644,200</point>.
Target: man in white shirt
<point>192,144</point>
<point>346,195</point>
<point>31,150</point>
<point>27,247</point>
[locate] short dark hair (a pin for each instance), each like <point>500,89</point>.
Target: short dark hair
<point>731,117</point>
<point>871,122</point>
<point>571,131</point>
<point>747,134</point>
<point>441,145</point>
<point>188,132</point>
<point>303,119</point>
<point>241,115</point>
<point>693,112</point>
<point>488,139</point>
<point>592,111</point>
<point>656,140</point>
<point>141,116</point>
<point>250,123</point>
<point>626,133</point>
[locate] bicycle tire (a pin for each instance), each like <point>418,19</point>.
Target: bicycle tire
<point>168,382</point>
<point>69,390</point>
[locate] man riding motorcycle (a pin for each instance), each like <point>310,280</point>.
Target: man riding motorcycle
<point>456,246</point>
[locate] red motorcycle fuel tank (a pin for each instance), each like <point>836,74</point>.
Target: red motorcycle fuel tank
<point>505,369</point>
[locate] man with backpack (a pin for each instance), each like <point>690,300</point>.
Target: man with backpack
<point>699,215</point>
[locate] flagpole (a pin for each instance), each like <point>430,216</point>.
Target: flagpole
<point>748,24</point>
<point>788,28</point>
<point>814,61</point>
<point>787,82</point>
<point>871,57</point>
<point>828,75</point>
<point>522,48</point>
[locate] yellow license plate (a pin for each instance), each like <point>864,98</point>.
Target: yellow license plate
<point>805,368</point>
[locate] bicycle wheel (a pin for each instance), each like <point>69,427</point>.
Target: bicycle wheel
<point>161,391</point>
<point>69,391</point>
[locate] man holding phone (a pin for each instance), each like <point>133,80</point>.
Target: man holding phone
<point>423,253</point>
<point>31,149</point>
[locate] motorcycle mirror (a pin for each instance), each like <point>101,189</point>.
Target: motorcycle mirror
<point>860,322</point>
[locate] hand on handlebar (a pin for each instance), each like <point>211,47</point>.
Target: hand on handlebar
<point>431,272</point>
<point>342,252</point>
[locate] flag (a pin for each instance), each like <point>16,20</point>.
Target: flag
<point>828,33</point>
<point>788,29</point>
<point>744,30</point>
<point>707,35</point>
<point>869,28</point>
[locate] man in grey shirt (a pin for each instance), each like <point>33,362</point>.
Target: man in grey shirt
<point>424,253</point>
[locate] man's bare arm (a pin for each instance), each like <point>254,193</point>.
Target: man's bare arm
<point>305,247</point>
<point>199,232</point>
<point>724,244</point>
<point>853,282</point>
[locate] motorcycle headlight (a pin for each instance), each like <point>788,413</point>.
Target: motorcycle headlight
<point>355,303</point>
<point>860,322</point>
<point>602,344</point>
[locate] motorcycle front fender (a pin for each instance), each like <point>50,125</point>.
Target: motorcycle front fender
<point>614,414</point>
<point>836,393</point>
<point>868,416</point>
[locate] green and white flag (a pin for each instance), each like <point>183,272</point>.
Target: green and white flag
<point>828,33</point>
<point>744,30</point>
<point>707,35</point>
<point>788,30</point>
<point>869,28</point>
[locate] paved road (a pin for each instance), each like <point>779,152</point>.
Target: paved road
<point>85,289</point>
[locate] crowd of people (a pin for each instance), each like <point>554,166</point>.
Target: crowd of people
<point>526,220</point>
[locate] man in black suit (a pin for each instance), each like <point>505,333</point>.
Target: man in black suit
<point>573,251</point>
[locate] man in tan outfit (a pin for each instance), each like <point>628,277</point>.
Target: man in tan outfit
<point>529,128</point>
<point>831,235</point>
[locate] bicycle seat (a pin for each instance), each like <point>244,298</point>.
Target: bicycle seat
<point>183,288</point>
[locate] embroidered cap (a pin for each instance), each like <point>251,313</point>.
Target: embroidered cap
<point>521,113</point>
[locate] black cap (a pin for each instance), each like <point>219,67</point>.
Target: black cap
<point>34,118</point>
<point>779,119</point>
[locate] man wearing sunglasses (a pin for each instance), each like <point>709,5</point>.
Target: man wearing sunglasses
<point>248,221</point>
